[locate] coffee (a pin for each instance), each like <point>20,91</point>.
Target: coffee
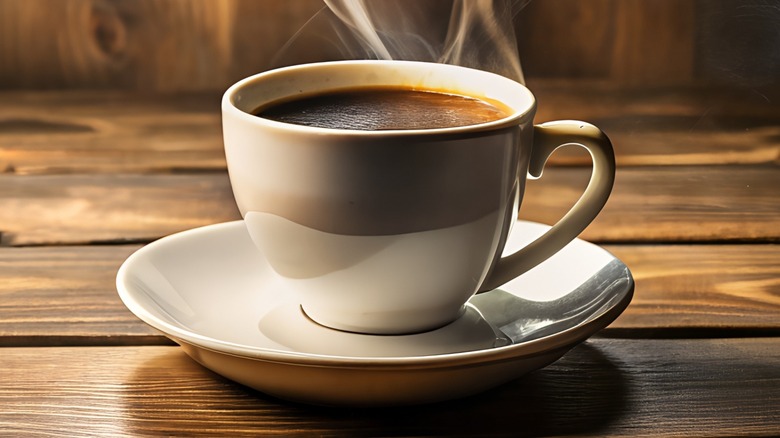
<point>383,108</point>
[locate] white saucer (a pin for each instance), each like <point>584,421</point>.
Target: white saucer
<point>211,291</point>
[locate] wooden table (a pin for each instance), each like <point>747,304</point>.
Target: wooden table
<point>89,177</point>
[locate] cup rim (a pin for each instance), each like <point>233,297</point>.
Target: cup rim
<point>229,107</point>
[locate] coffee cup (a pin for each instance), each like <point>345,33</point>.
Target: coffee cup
<point>391,231</point>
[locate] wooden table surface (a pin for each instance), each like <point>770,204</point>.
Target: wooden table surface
<point>86,178</point>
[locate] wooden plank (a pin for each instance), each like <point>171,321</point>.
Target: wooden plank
<point>269,34</point>
<point>89,44</point>
<point>657,204</point>
<point>668,125</point>
<point>644,55</point>
<point>143,44</point>
<point>617,40</point>
<point>73,209</point>
<point>699,289</point>
<point>110,132</point>
<point>719,203</point>
<point>566,38</point>
<point>603,387</point>
<point>130,45</point>
<point>678,203</point>
<point>67,296</point>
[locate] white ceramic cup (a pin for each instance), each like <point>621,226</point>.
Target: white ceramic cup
<point>393,231</point>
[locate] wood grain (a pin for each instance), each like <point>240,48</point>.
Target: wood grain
<point>143,44</point>
<point>166,45</point>
<point>98,44</point>
<point>707,203</point>
<point>566,38</point>
<point>643,55</point>
<point>659,204</point>
<point>269,34</point>
<point>37,210</point>
<point>603,387</point>
<point>67,295</point>
<point>696,290</point>
<point>110,132</point>
<point>616,40</point>
<point>670,125</point>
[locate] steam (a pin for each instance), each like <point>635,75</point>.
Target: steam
<point>471,33</point>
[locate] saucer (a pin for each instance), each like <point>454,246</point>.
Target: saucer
<point>210,290</point>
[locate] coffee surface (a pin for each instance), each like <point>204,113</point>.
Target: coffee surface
<point>385,108</point>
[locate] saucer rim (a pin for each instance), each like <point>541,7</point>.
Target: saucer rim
<point>544,345</point>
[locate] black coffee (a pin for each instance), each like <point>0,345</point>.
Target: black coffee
<point>383,108</point>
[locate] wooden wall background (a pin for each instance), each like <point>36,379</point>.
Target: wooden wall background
<point>186,45</point>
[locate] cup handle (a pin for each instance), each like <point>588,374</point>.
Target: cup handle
<point>547,138</point>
